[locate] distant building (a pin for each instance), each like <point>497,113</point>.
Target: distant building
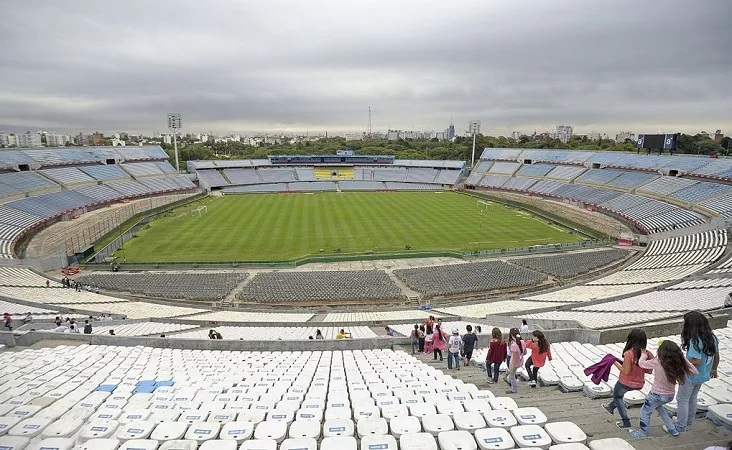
<point>57,140</point>
<point>392,135</point>
<point>116,142</point>
<point>167,138</point>
<point>704,134</point>
<point>80,139</point>
<point>354,136</point>
<point>450,132</point>
<point>718,136</point>
<point>623,135</point>
<point>30,139</point>
<point>516,135</point>
<point>563,133</point>
<point>3,139</point>
<point>96,138</point>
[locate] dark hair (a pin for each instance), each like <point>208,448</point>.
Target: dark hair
<point>317,332</point>
<point>478,329</point>
<point>416,327</point>
<point>524,322</point>
<point>469,328</point>
<point>496,334</point>
<point>636,341</point>
<point>543,343</point>
<point>438,333</point>
<point>673,362</point>
<point>515,336</point>
<point>696,328</point>
<point>421,328</point>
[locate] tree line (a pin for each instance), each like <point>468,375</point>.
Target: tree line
<point>459,149</point>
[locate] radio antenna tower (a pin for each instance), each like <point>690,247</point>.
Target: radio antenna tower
<point>368,135</point>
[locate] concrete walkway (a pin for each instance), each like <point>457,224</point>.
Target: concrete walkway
<point>589,416</point>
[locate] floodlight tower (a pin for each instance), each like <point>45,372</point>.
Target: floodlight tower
<point>174,123</point>
<point>474,129</point>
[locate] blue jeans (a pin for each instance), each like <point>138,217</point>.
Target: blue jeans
<point>618,392</point>
<point>512,380</point>
<point>655,402</point>
<point>453,358</point>
<point>686,404</point>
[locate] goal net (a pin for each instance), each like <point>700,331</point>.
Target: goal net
<point>483,206</point>
<point>199,210</point>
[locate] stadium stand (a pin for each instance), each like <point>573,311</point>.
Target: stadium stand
<point>280,400</point>
<point>504,168</point>
<point>361,185</point>
<point>398,186</point>
<point>142,169</point>
<point>497,307</point>
<point>278,175</point>
<point>534,170</point>
<point>59,182</point>
<point>376,316</point>
<point>493,180</point>
<point>469,277</point>
<point>273,333</point>
<point>242,176</point>
<point>188,285</point>
<point>571,265</point>
<point>634,173</point>
<point>212,178</point>
<point>251,317</point>
<point>278,287</point>
<point>311,186</point>
<point>18,276</point>
<point>67,175</point>
<point>565,173</point>
<point>276,187</point>
<point>141,328</point>
<point>305,174</point>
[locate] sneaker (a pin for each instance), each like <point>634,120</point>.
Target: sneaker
<point>490,381</point>
<point>637,434</point>
<point>621,425</point>
<point>672,432</point>
<point>607,408</point>
<point>510,392</point>
<point>532,384</point>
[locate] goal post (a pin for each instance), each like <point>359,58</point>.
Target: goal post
<point>483,205</point>
<point>199,210</point>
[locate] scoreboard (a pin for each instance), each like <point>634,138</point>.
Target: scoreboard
<point>657,141</point>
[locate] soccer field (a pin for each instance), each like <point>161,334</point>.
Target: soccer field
<point>258,227</point>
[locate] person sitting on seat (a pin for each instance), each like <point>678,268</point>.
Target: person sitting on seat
<point>213,334</point>
<point>343,334</point>
<point>389,331</point>
<point>28,318</point>
<point>319,334</point>
<point>111,333</point>
<point>87,327</point>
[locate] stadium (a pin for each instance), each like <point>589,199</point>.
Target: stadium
<point>583,245</point>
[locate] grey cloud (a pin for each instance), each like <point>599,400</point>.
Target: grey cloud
<point>292,65</point>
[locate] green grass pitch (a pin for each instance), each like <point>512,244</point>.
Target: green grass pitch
<point>260,227</point>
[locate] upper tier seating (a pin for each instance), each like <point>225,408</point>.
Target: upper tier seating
<point>67,175</point>
<point>104,172</point>
<point>241,176</point>
<point>142,169</point>
<point>212,178</point>
<point>279,175</point>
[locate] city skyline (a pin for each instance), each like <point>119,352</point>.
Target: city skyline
<point>290,67</point>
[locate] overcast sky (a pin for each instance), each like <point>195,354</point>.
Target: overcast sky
<point>272,65</point>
